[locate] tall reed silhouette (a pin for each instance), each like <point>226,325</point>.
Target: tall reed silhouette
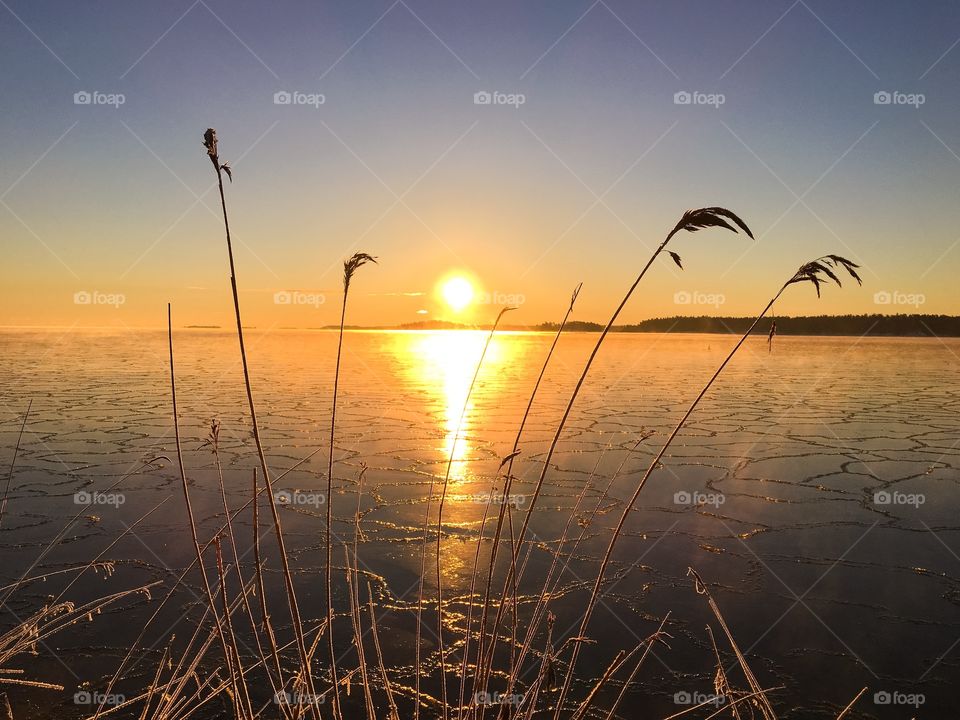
<point>691,221</point>
<point>815,272</point>
<point>210,143</point>
<point>349,268</point>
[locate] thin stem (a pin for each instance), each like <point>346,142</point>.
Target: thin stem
<point>287,576</point>
<point>329,546</point>
<point>443,497</point>
<point>556,439</point>
<point>595,595</point>
<point>13,462</point>
<point>228,656</point>
<point>508,485</point>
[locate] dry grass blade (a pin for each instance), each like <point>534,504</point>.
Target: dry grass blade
<point>242,710</point>
<point>13,462</point>
<point>443,497</point>
<point>809,271</point>
<point>482,671</point>
<point>849,707</point>
<point>657,637</point>
<point>392,712</point>
<point>210,143</point>
<point>761,699</point>
<point>349,268</point>
<point>691,221</point>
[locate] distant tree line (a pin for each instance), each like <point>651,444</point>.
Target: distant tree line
<point>878,325</point>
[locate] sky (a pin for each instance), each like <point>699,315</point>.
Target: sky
<point>828,127</point>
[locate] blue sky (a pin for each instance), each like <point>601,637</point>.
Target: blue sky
<point>576,184</point>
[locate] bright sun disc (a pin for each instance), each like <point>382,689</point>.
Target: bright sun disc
<point>457,293</point>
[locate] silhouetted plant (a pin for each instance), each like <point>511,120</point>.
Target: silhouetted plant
<point>815,272</point>
<point>211,144</point>
<point>691,221</point>
<point>349,268</point>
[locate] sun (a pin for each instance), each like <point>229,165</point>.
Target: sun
<point>457,292</point>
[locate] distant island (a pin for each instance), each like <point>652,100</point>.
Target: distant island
<point>873,325</point>
<point>857,325</point>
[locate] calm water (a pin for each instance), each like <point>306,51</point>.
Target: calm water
<point>776,493</point>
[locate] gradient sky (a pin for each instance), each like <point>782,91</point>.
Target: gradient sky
<point>577,184</point>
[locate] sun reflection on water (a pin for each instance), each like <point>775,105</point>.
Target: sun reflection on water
<point>444,362</point>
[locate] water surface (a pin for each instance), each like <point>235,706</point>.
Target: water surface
<point>776,492</point>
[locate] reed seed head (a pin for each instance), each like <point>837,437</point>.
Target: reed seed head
<point>822,270</point>
<point>350,267</point>
<point>694,220</point>
<point>210,143</point>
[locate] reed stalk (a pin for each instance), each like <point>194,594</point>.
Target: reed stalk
<point>691,221</point>
<point>443,497</point>
<point>241,704</point>
<point>815,272</point>
<point>210,143</point>
<point>508,486</point>
<point>349,268</point>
